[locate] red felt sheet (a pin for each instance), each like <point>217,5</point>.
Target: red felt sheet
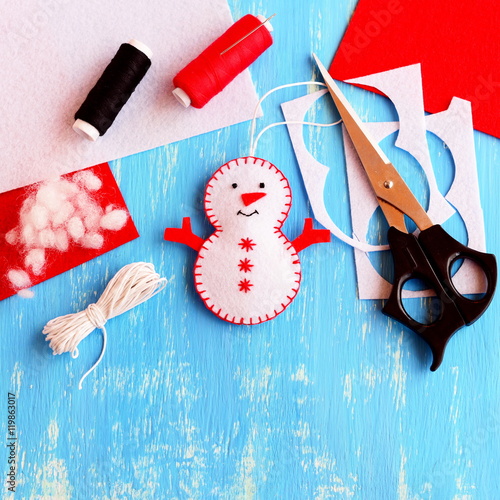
<point>57,261</point>
<point>457,45</point>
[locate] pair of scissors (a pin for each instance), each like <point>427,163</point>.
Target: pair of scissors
<point>428,256</point>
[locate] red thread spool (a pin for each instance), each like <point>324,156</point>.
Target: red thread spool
<point>208,74</point>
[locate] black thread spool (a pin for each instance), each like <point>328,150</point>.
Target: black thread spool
<point>112,90</point>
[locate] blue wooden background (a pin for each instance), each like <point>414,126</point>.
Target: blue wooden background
<point>330,400</point>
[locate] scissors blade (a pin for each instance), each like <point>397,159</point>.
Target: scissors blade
<point>391,190</point>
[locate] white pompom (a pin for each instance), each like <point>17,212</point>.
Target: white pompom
<point>83,201</point>
<point>65,211</point>
<point>35,259</point>
<point>93,240</point>
<point>51,196</point>
<point>29,235</point>
<point>12,237</point>
<point>38,216</point>
<point>26,293</point>
<point>88,180</point>
<point>67,188</point>
<point>114,220</point>
<point>47,238</point>
<point>76,229</point>
<point>19,278</point>
<point>92,219</point>
<point>62,242</point>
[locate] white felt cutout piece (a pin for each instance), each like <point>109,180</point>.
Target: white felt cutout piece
<point>54,52</point>
<point>403,86</point>
<point>453,126</point>
<point>247,272</point>
<point>314,173</point>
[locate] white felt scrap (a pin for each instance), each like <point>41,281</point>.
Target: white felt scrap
<point>453,126</point>
<point>53,53</point>
<point>315,173</point>
<point>403,86</point>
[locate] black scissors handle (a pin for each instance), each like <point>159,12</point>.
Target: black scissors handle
<point>430,257</point>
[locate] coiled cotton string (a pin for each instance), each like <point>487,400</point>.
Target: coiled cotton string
<point>132,285</point>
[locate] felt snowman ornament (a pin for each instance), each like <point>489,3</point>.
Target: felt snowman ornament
<point>247,271</point>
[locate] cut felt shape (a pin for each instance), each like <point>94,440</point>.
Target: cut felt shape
<point>403,86</point>
<point>457,48</point>
<point>247,271</point>
<point>453,126</point>
<point>52,56</point>
<point>50,227</point>
<point>314,173</point>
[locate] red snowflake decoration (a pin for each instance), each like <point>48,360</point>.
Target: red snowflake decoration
<point>247,244</point>
<point>245,285</point>
<point>245,265</point>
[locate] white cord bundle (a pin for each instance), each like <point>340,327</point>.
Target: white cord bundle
<point>132,285</point>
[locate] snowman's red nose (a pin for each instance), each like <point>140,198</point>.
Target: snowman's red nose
<point>249,198</point>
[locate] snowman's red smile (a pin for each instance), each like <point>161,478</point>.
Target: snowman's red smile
<point>247,215</point>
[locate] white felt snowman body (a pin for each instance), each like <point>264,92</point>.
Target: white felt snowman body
<point>247,271</point>
<point>247,200</point>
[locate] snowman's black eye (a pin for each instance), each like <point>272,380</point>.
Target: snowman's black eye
<point>262,185</point>
<point>235,185</point>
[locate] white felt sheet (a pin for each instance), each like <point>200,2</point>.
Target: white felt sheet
<point>453,126</point>
<point>52,54</point>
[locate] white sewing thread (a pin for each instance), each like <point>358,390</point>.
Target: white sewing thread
<point>132,285</point>
<point>253,143</point>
